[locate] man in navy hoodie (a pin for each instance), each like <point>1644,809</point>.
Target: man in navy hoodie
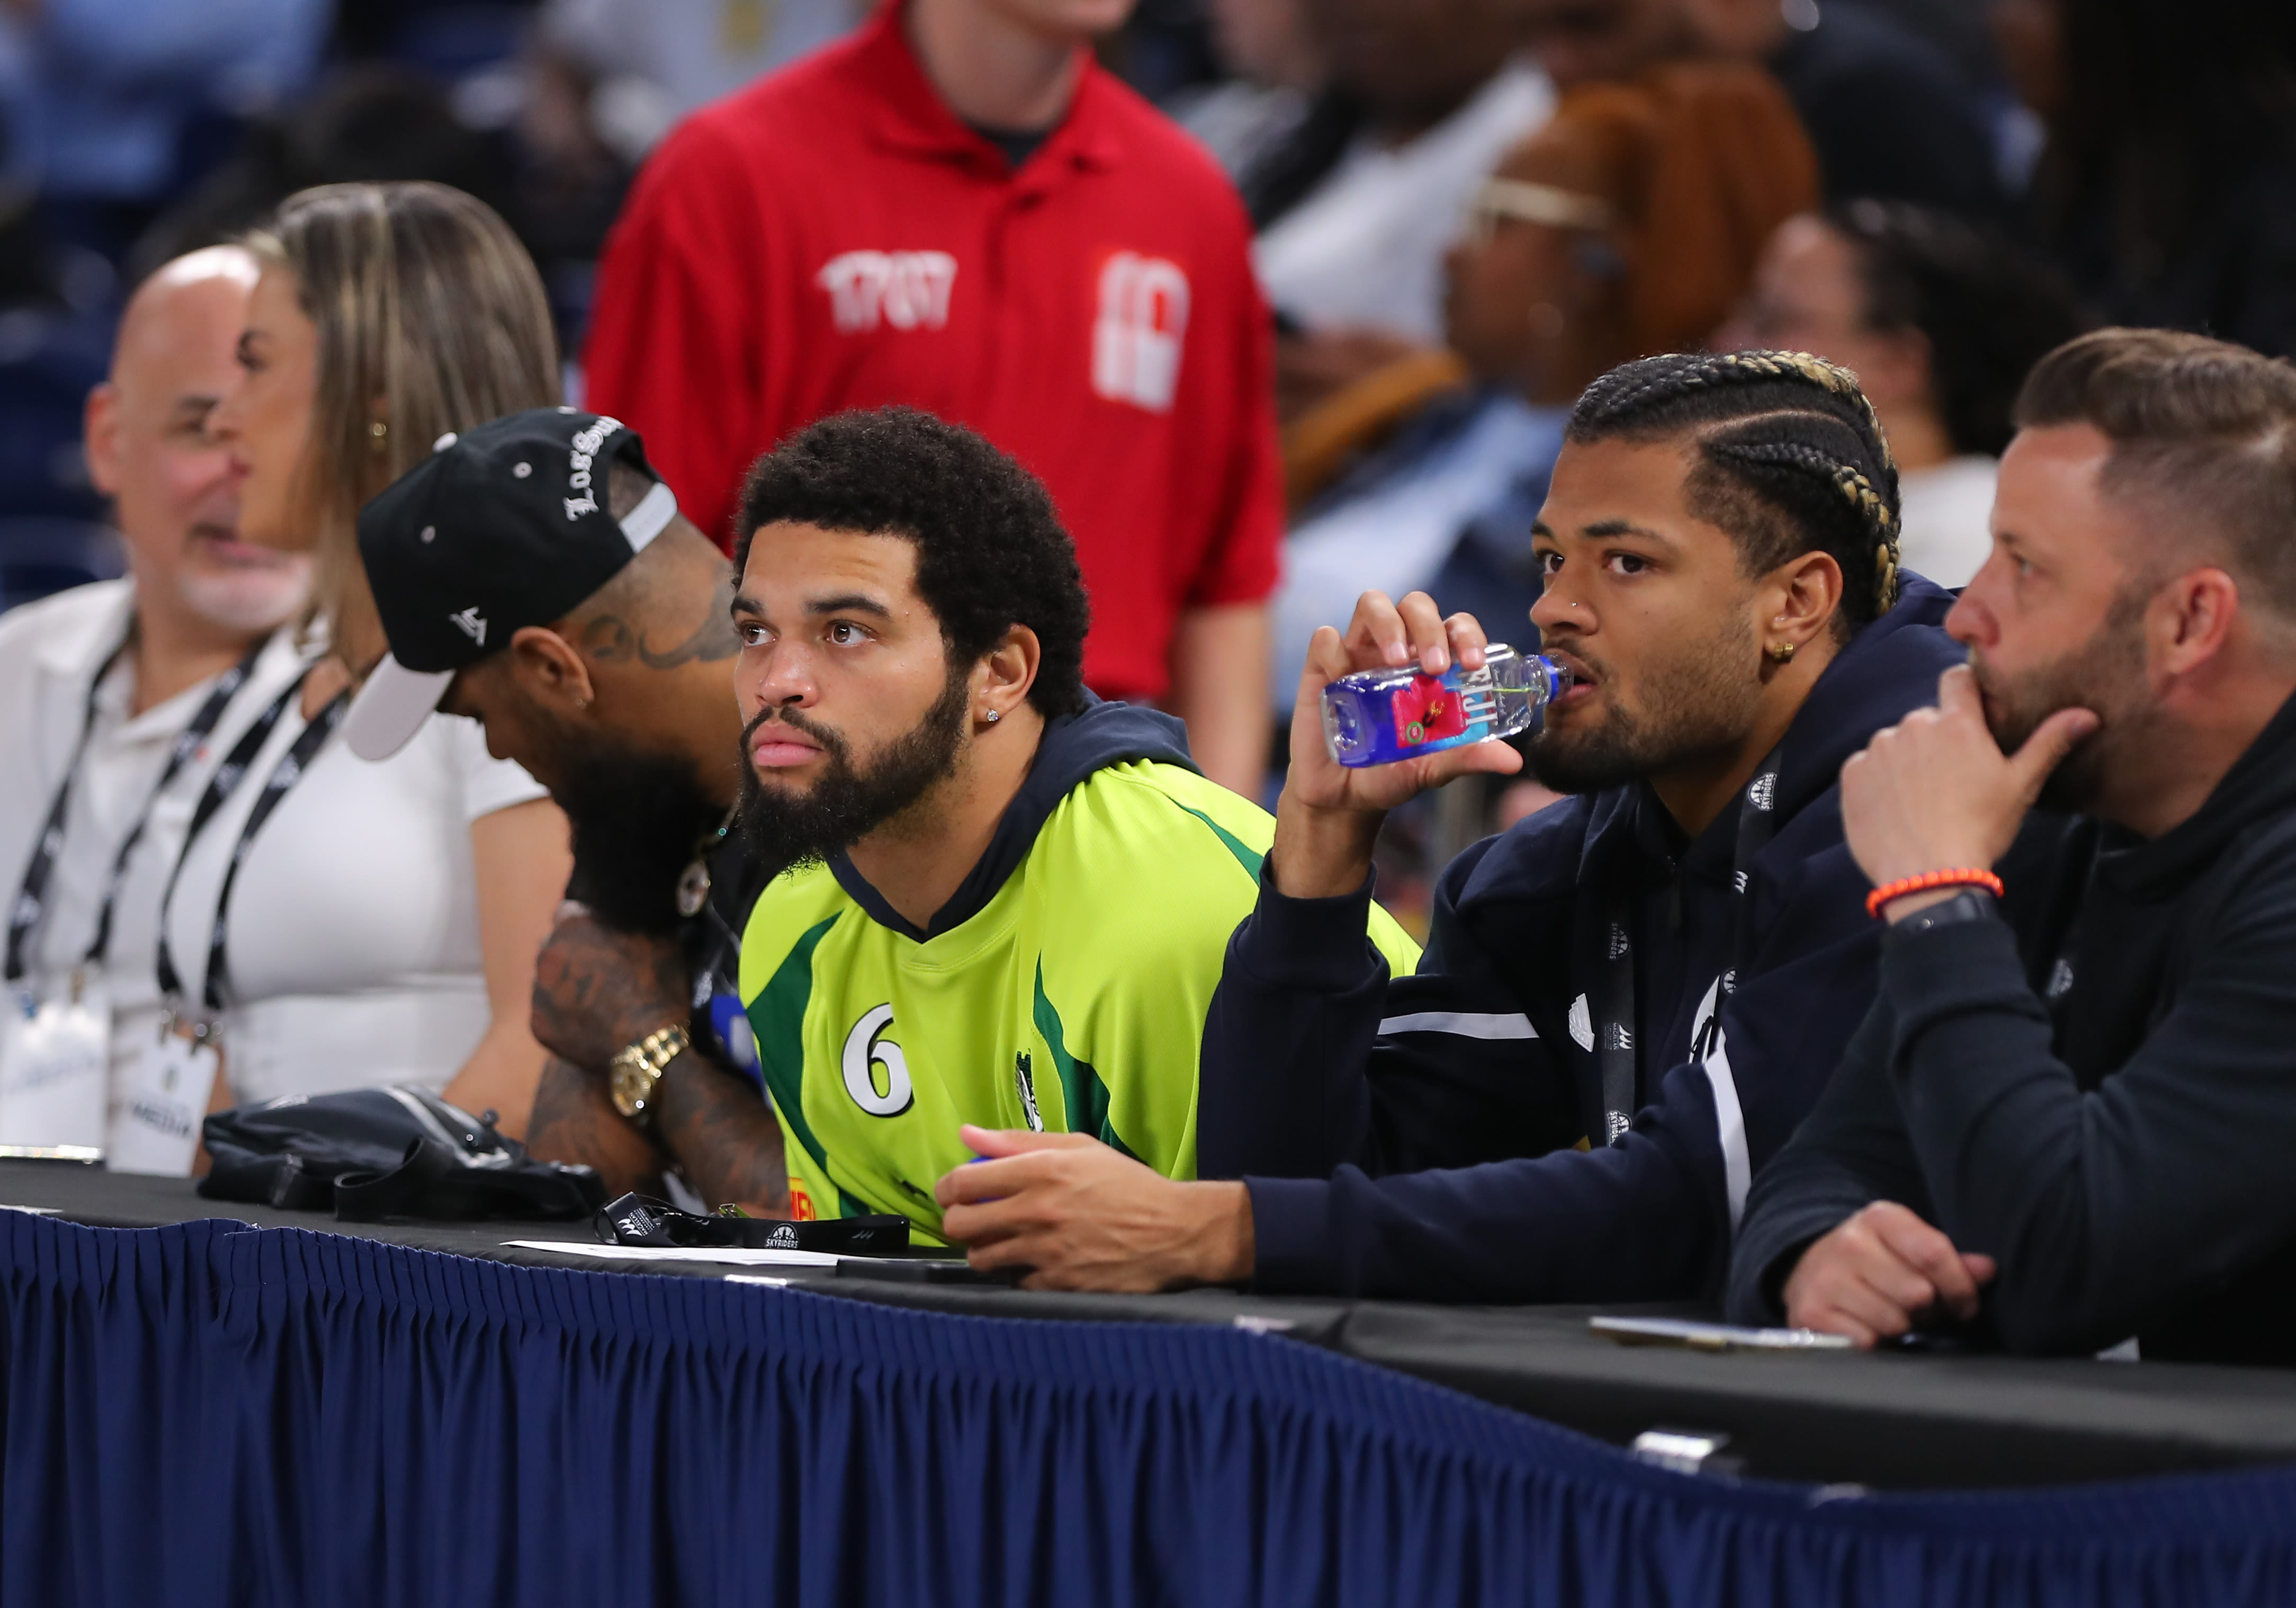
<point>1630,1000</point>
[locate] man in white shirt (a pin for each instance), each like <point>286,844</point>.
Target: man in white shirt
<point>1445,96</point>
<point>97,683</point>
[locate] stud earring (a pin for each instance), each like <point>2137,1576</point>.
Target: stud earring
<point>1782,653</point>
<point>992,717</point>
<point>381,434</point>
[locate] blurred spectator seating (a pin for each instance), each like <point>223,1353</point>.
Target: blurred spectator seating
<point>372,122</point>
<point>1889,113</point>
<point>1626,226</point>
<point>1254,118</point>
<point>2168,187</point>
<point>1940,321</point>
<point>1961,29</point>
<point>52,352</point>
<point>1354,266</point>
<point>112,91</point>
<point>639,66</point>
<point>510,129</point>
<point>39,555</point>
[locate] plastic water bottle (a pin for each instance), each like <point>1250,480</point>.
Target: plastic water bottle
<point>1378,716</point>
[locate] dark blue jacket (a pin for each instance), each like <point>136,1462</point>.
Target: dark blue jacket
<point>1417,1139</point>
<point>2093,1086</point>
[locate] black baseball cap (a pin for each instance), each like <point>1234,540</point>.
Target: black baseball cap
<point>501,527</point>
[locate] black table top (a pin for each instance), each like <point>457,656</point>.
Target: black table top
<point>1882,1420</point>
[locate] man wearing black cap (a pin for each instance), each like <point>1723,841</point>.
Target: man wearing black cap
<point>1005,901</point>
<point>535,575</point>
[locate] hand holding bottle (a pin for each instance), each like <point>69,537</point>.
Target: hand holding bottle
<point>1329,813</point>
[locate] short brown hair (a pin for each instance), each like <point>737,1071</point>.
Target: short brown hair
<point>2202,430</point>
<point>430,319</point>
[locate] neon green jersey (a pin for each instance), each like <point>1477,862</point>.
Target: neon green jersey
<point>1071,999</point>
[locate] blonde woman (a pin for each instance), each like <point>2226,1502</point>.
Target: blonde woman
<point>381,923</point>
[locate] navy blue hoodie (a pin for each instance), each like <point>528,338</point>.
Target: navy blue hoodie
<point>1420,1139</point>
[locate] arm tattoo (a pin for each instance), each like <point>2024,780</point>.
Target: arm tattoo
<point>724,1135</point>
<point>596,990</point>
<point>574,1120</point>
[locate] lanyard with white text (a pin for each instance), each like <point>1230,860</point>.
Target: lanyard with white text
<point>187,744</point>
<point>283,776</point>
<point>1614,1036</point>
<point>24,915</point>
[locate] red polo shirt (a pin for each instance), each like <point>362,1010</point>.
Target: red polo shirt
<point>834,237</point>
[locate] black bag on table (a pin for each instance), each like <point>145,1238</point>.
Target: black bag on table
<point>372,1153</point>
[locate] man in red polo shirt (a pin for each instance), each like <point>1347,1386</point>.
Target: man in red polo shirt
<point>956,208</point>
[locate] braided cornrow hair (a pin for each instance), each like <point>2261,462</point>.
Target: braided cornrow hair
<point>1793,458</point>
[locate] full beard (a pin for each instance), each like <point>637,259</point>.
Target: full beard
<point>785,829</point>
<point>2104,675</point>
<point>636,819</point>
<point>1705,701</point>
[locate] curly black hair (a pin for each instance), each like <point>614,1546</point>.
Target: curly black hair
<point>1988,310</point>
<point>991,553</point>
<point>1790,459</point>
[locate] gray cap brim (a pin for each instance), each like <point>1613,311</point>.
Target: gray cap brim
<point>391,707</point>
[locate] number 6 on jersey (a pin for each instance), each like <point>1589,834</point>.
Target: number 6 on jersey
<point>866,1048</point>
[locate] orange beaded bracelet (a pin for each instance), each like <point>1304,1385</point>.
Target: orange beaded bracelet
<point>1964,876</point>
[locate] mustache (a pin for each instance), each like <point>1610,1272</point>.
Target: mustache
<point>831,742</point>
<point>1554,644</point>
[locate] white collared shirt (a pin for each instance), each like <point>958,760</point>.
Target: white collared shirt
<point>49,651</point>
<point>355,948</point>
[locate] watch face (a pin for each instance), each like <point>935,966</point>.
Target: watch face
<point>630,1088</point>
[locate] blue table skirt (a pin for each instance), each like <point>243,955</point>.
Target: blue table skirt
<point>207,1414</point>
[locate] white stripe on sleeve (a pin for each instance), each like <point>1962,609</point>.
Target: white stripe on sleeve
<point>1466,1024</point>
<point>1730,1121</point>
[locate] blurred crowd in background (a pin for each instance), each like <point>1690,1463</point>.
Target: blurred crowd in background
<point>1465,209</point>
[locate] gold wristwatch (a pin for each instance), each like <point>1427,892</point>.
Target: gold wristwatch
<point>634,1071</point>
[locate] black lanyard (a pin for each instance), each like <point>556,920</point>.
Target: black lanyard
<point>24,918</point>
<point>188,742</point>
<point>1614,1035</point>
<point>283,776</point>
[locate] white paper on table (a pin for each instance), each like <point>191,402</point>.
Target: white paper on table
<point>736,1255</point>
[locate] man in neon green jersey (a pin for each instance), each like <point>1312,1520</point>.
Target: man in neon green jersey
<point>1008,903</point>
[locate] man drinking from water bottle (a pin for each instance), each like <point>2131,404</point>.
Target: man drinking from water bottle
<point>1627,1000</point>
